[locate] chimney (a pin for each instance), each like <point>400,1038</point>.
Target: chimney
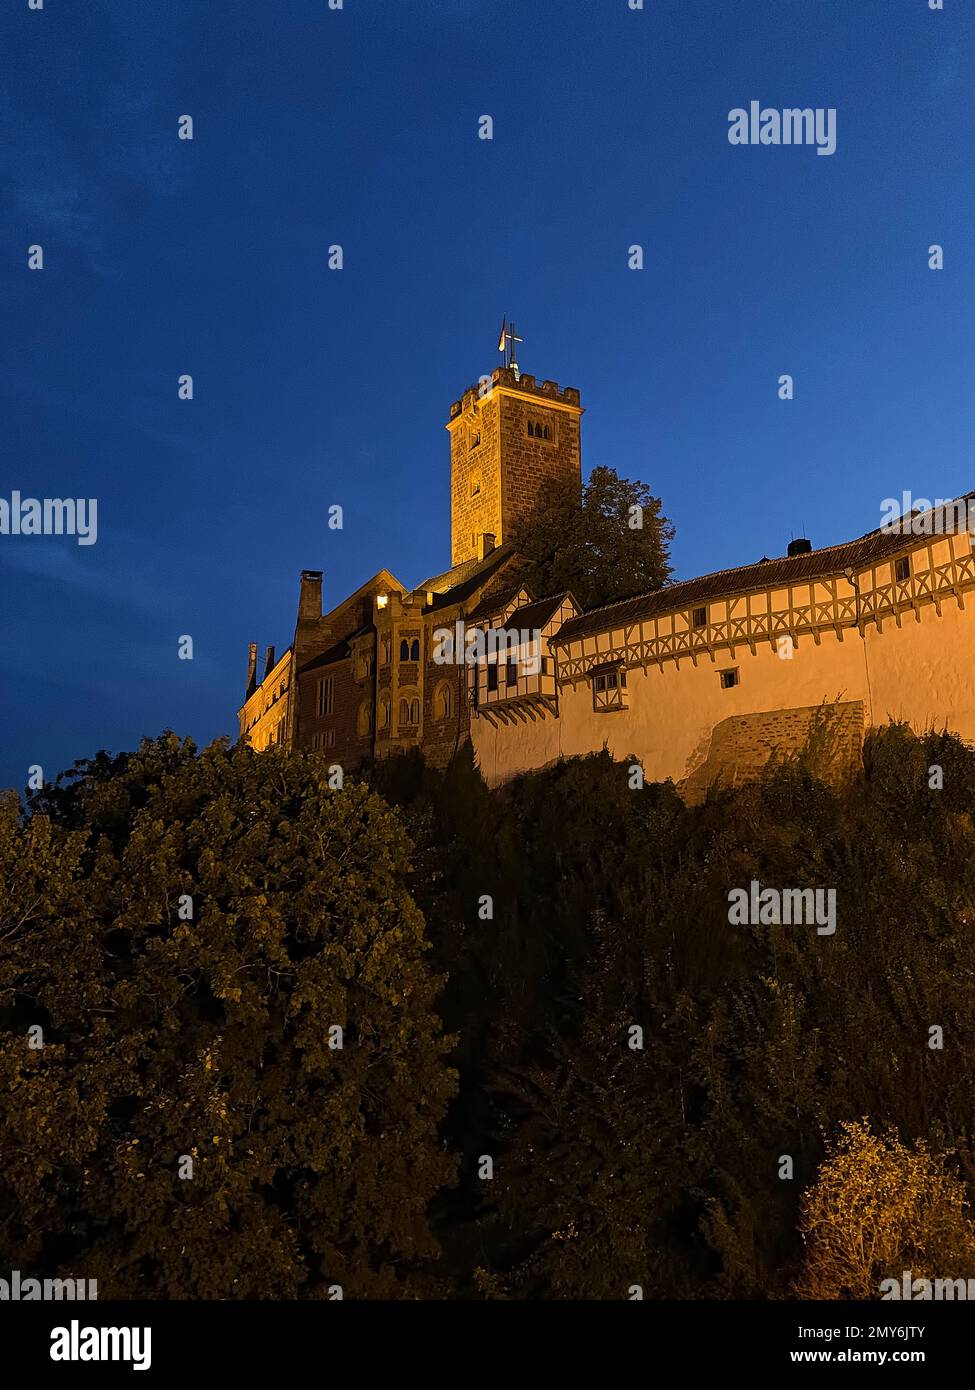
<point>268,662</point>
<point>485,544</point>
<point>251,670</point>
<point>310,600</point>
<point>800,546</point>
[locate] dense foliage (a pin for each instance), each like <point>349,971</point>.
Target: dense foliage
<point>666,1100</point>
<point>190,1126</point>
<point>608,542</point>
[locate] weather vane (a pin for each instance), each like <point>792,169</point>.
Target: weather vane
<point>508,334</point>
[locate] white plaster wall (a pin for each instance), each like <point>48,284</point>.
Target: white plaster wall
<point>923,673</point>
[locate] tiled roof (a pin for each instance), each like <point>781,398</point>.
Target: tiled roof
<point>765,574</point>
<point>340,652</point>
<point>536,615</point>
<point>480,575</point>
<point>495,602</point>
<point>439,583</point>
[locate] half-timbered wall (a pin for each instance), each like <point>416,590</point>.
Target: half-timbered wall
<point>904,648</point>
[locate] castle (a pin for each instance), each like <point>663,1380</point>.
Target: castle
<point>701,681</point>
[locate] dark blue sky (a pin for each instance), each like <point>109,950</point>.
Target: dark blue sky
<point>313,387</point>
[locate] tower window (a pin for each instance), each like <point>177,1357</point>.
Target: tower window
<point>326,696</point>
<point>902,568</point>
<point>538,430</point>
<point>404,650</point>
<point>475,487</point>
<point>415,649</point>
<point>475,438</point>
<point>729,678</point>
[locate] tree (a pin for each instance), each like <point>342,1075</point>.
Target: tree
<point>610,542</point>
<point>242,1073</point>
<point>880,1208</point>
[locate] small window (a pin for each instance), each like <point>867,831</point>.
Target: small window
<point>607,690</point>
<point>492,677</point>
<point>386,649</point>
<point>415,649</point>
<point>443,701</point>
<point>384,713</point>
<point>326,696</point>
<point>404,711</point>
<point>729,678</point>
<point>329,738</point>
<point>414,711</point>
<point>902,568</point>
<point>699,618</point>
<point>475,487</point>
<point>475,438</point>
<point>511,673</point>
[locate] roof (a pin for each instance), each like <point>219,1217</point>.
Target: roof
<point>536,614</point>
<point>482,572</point>
<point>340,652</point>
<point>438,583</point>
<point>764,574</point>
<point>494,602</point>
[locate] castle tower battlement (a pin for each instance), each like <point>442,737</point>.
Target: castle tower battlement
<point>509,441</point>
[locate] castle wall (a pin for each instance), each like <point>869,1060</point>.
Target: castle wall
<point>913,662</point>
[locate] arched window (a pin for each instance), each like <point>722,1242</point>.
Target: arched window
<point>385,651</point>
<point>384,712</point>
<point>415,649</point>
<point>404,650</point>
<point>414,711</point>
<point>443,701</point>
<point>548,432</point>
<point>404,711</point>
<point>364,721</point>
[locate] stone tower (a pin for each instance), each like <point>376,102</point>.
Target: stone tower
<point>509,440</point>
